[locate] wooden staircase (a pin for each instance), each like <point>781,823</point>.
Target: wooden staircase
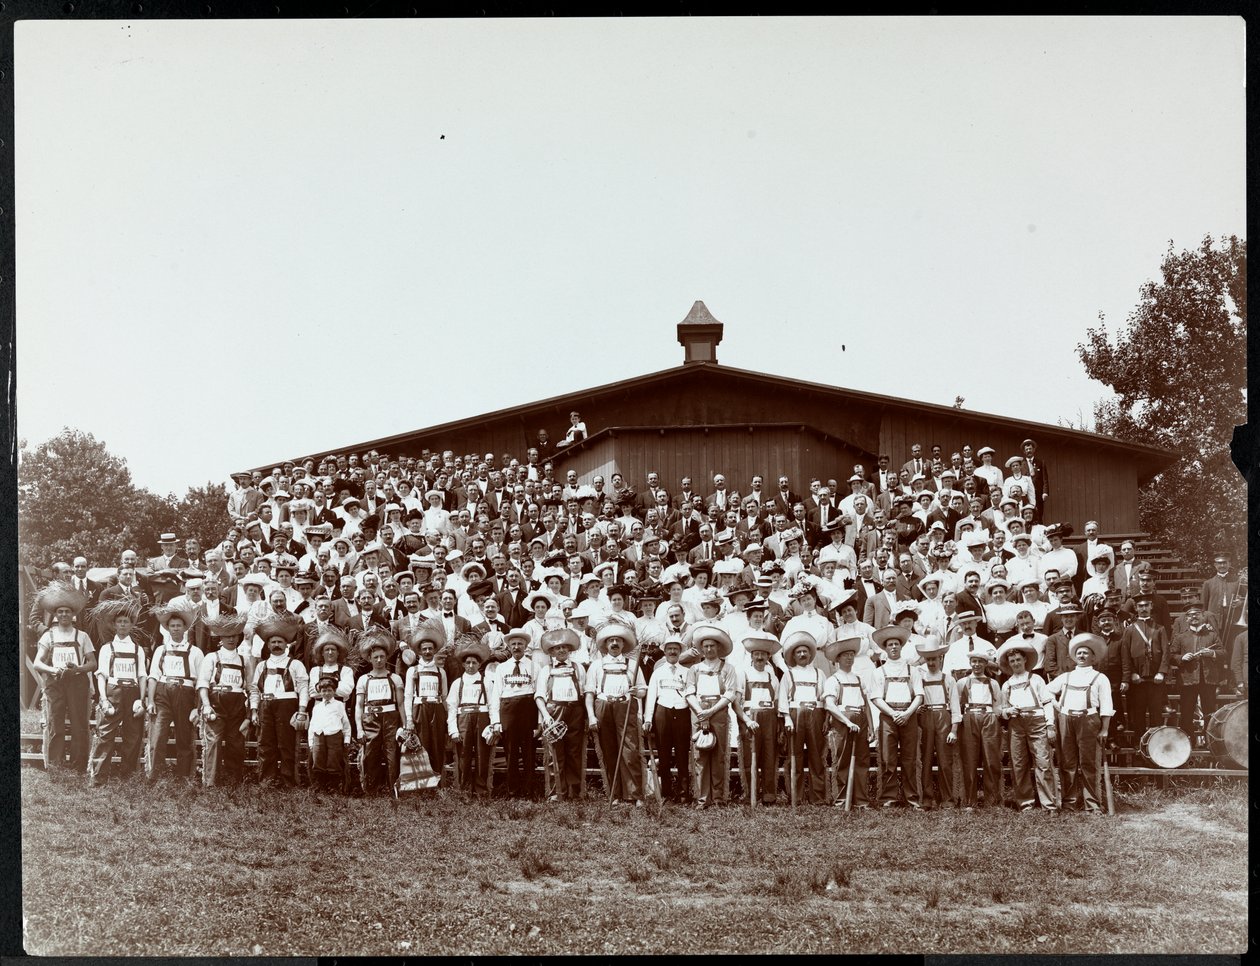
<point>1172,577</point>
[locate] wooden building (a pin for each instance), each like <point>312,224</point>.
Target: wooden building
<point>701,417</point>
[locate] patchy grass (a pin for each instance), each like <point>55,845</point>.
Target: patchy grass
<point>339,877</point>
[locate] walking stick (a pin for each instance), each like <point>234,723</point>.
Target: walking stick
<point>631,704</point>
<point>792,768</point>
<point>752,772</point>
<point>848,790</point>
<point>1111,802</point>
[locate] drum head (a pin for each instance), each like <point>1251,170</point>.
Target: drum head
<point>1167,747</point>
<point>1235,733</point>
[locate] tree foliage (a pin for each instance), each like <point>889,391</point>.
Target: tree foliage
<point>76,498</point>
<point>1179,370</point>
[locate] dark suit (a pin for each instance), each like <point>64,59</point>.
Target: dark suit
<point>1041,485</point>
<point>512,606</point>
<point>342,618</point>
<point>200,634</point>
<point>783,504</point>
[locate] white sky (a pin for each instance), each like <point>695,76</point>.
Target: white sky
<point>214,218</point>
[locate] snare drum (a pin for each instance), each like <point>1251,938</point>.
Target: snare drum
<point>1227,734</point>
<point>1165,746</point>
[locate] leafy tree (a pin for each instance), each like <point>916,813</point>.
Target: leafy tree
<point>1178,370</point>
<point>203,514</point>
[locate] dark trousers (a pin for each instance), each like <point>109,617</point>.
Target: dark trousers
<point>121,722</point>
<point>766,739</point>
<point>472,754</point>
<point>809,748</point>
<point>899,746</point>
<point>1205,695</point>
<point>1079,762</point>
<point>1145,706</point>
<point>671,728</point>
<point>172,705</point>
<point>277,741</point>
<point>378,766</point>
<point>223,755</point>
<point>623,758</point>
<point>569,753</point>
<point>981,736</point>
<point>713,765</point>
<point>328,761</point>
<point>519,718</point>
<point>934,728</point>
<point>66,702</point>
<point>853,743</point>
<point>429,718</point>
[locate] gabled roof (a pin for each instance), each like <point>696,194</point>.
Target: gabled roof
<point>1155,456</point>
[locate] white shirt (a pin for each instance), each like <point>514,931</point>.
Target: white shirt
<point>329,718</point>
<point>666,687</point>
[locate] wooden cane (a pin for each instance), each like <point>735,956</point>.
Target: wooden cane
<point>752,771</point>
<point>792,766</point>
<point>848,791</point>
<point>1111,802</point>
<point>631,703</point>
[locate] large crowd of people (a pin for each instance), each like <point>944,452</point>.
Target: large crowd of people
<point>395,609</point>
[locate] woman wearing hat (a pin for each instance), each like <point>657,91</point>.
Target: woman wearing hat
<point>1084,713</point>
<point>897,693</point>
<point>424,692</point>
<point>1099,567</point>
<point>758,714</point>
<point>67,658</point>
<point>171,701</point>
<point>980,700</point>
<point>999,612</point>
<point>615,686</point>
<point>931,616</point>
<point>1029,710</point>
<point>808,619</point>
<point>712,687</point>
<point>667,716</point>
<point>540,604</point>
<point>223,689</point>
<point>800,703</point>
<point>558,695</point>
<point>468,716</point>
<point>278,701</point>
<point>120,681</point>
<point>846,700</point>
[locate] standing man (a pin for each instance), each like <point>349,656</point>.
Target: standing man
<point>1222,602</point>
<point>1085,712</point>
<point>897,693</point>
<point>1144,663</point>
<point>66,656</point>
<point>1036,471</point>
<point>513,713</point>
<point>614,690</point>
<point>171,693</point>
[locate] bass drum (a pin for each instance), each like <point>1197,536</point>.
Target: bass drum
<point>1165,747</point>
<point>1227,738</point>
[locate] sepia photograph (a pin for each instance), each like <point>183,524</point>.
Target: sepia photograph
<point>631,486</point>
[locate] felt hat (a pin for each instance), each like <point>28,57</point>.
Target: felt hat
<point>480,588</point>
<point>335,636</point>
<point>931,645</point>
<point>703,631</point>
<point>1063,530</point>
<point>276,626</point>
<point>615,629</point>
<point>517,634</point>
<point>762,641</point>
<point>893,632</point>
<point>738,589</point>
<point>469,645</point>
<point>1013,645</point>
<point>987,652</point>
<point>845,641</point>
<point>831,526</point>
<point>559,637</point>
<point>59,594</point>
<point>1095,643</point>
<point>799,639</point>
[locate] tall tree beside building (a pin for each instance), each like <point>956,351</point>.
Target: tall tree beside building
<point>1179,369</point>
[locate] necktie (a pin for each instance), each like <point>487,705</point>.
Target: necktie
<point>971,643</point>
<point>517,669</point>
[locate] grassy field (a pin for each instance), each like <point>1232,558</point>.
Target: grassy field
<point>181,871</point>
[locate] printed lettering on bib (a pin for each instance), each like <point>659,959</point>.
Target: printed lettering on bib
<point>229,677</point>
<point>427,686</point>
<point>275,684</point>
<point>172,665</point>
<point>616,683</point>
<point>563,687</point>
<point>379,689</point>
<point>125,668</point>
<point>64,655</point>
